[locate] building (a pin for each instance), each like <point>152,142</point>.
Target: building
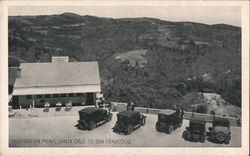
<point>59,81</point>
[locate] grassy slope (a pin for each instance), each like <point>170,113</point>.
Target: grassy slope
<point>172,56</point>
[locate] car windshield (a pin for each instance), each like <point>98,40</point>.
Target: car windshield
<point>123,119</point>
<point>196,126</point>
<point>221,123</point>
<point>83,115</point>
<point>162,117</point>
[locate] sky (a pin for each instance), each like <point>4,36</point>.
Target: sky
<point>200,14</point>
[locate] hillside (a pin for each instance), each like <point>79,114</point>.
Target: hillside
<point>152,62</point>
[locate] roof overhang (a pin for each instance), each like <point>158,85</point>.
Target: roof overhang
<point>95,88</point>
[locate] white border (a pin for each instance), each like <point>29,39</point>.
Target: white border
<point>244,150</point>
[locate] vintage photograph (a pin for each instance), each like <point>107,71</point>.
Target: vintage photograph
<point>125,76</point>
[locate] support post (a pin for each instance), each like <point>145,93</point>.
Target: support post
<point>33,103</point>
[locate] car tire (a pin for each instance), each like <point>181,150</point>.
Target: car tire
<point>109,118</point>
<point>221,137</point>
<point>129,130</point>
<point>195,136</point>
<point>203,138</point>
<point>227,141</point>
<point>143,121</point>
<point>92,125</point>
<point>79,126</point>
<point>180,124</point>
<point>188,136</point>
<point>157,126</point>
<point>184,135</point>
<point>170,129</point>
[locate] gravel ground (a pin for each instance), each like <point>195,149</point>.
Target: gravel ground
<point>60,131</point>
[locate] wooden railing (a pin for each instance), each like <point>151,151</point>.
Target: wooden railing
<point>188,115</point>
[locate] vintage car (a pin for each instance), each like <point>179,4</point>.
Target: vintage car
<point>128,121</point>
<point>169,120</point>
<point>46,107</point>
<point>68,106</point>
<point>91,117</point>
<point>58,106</point>
<point>220,130</point>
<point>196,130</point>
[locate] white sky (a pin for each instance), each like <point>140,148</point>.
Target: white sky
<point>200,14</point>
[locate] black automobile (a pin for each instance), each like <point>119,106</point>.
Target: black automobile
<point>220,130</point>
<point>196,130</point>
<point>128,121</point>
<point>91,117</point>
<point>169,120</point>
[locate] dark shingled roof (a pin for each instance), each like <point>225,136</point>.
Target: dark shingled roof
<point>128,113</point>
<point>89,110</point>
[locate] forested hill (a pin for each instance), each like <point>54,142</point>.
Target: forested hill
<point>151,62</point>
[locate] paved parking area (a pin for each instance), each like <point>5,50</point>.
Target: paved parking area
<point>60,131</point>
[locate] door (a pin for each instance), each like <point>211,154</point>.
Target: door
<point>90,99</point>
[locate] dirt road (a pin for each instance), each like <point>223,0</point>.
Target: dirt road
<point>60,131</point>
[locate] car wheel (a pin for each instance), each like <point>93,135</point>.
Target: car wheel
<point>180,124</point>
<point>92,125</point>
<point>170,129</point>
<point>212,135</point>
<point>196,136</point>
<point>79,126</point>
<point>184,135</point>
<point>188,136</point>
<point>143,121</point>
<point>203,138</point>
<point>129,130</point>
<point>227,141</point>
<point>157,127</point>
<point>220,136</point>
<point>109,117</point>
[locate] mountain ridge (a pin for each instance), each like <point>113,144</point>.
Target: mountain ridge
<point>71,14</point>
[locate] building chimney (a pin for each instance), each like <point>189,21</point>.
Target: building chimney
<point>60,59</point>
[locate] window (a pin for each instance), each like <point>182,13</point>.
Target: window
<point>47,95</point>
<point>79,94</point>
<point>161,117</point>
<point>55,95</point>
<point>71,94</point>
<point>28,96</point>
<point>39,96</point>
<point>63,95</point>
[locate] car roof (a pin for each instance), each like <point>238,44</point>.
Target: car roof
<point>128,113</point>
<point>167,112</point>
<point>197,121</point>
<point>220,120</point>
<point>89,110</point>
